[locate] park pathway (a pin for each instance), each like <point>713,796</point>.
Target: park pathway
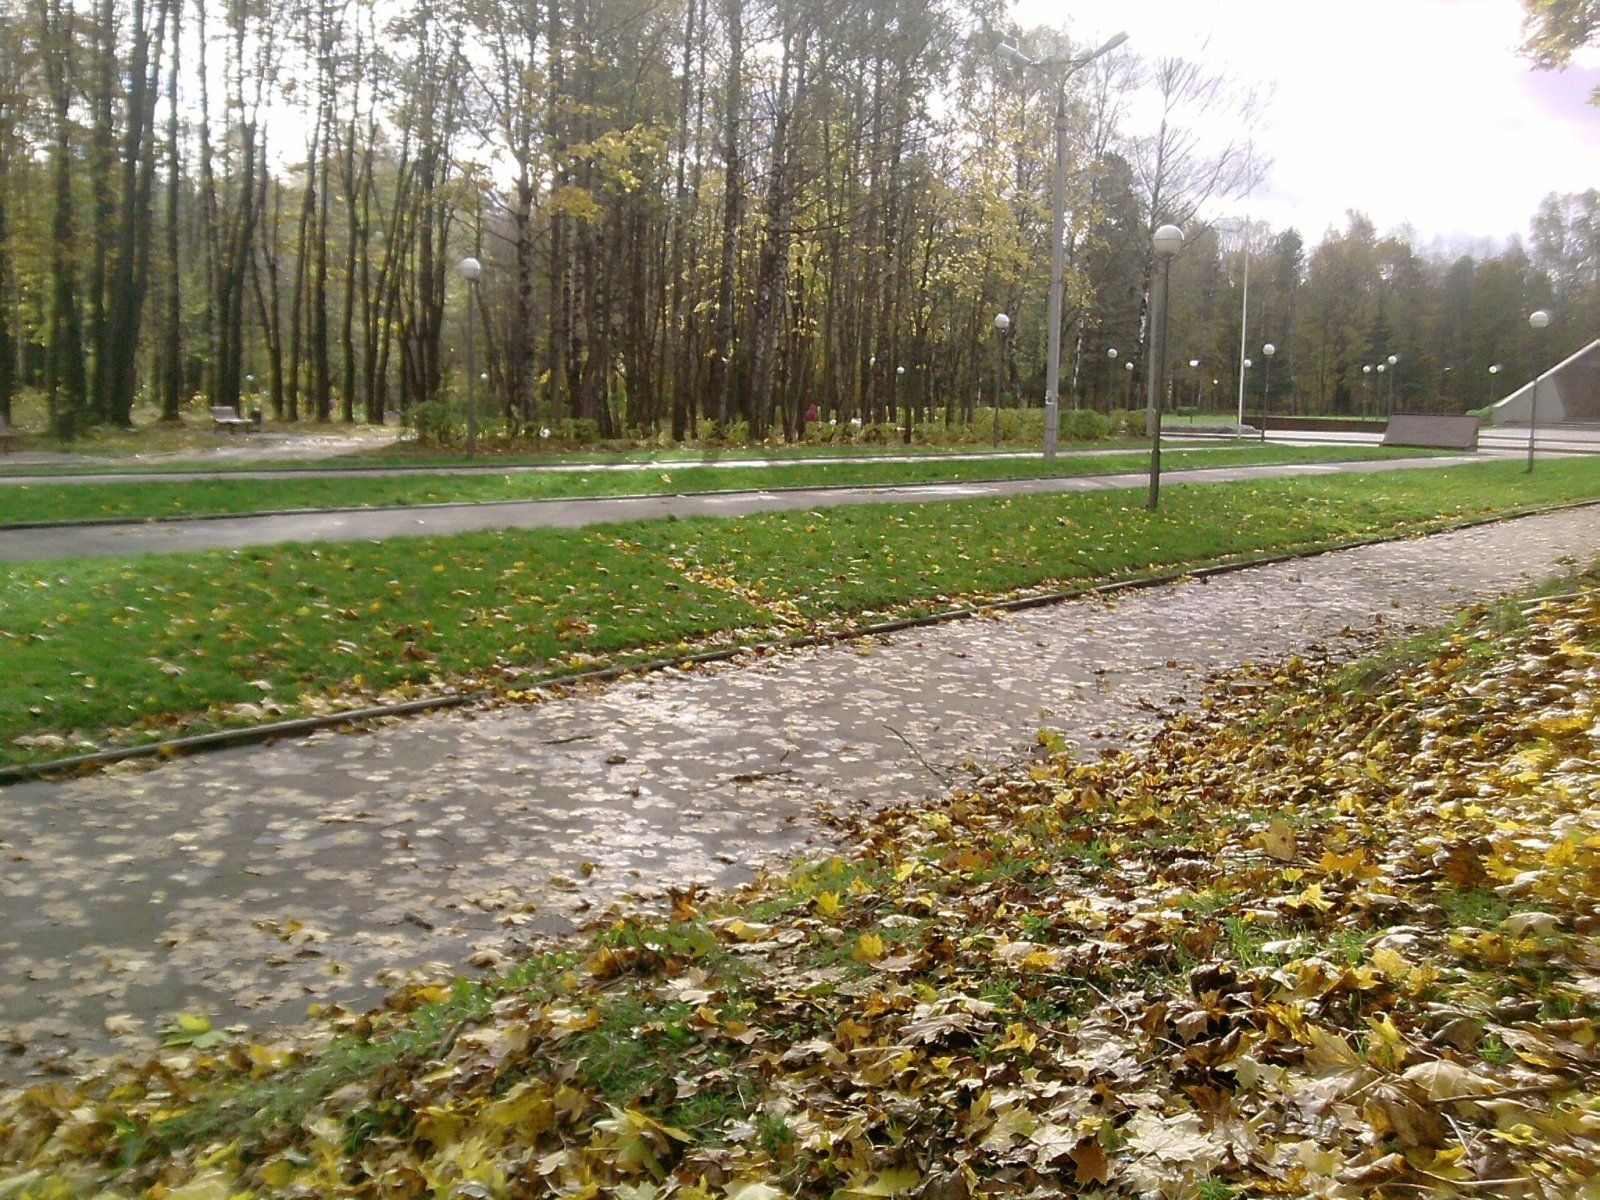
<point>248,883</point>
<point>23,544</point>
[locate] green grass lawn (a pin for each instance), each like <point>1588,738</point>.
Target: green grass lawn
<point>49,501</point>
<point>110,652</point>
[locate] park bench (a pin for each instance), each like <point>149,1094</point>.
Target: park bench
<point>6,433</point>
<point>229,419</point>
<point>1432,430</point>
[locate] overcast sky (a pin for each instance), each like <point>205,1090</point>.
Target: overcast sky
<point>1414,111</point>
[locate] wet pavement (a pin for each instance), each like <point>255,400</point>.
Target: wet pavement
<point>248,883</point>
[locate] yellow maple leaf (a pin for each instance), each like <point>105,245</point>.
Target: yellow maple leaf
<point>868,949</point>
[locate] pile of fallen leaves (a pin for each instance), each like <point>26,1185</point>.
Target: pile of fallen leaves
<point>1332,935</point>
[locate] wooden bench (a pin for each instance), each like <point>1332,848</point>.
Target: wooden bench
<point>1432,430</point>
<point>229,419</point>
<point>6,434</point>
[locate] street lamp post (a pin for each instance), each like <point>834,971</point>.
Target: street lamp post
<point>1168,240</point>
<point>1127,397</point>
<point>1392,362</point>
<point>471,270</point>
<point>1366,390</point>
<point>895,404</point>
<point>1266,385</point>
<point>1112,355</point>
<point>1002,326</point>
<point>899,373</point>
<point>1194,365</point>
<point>1058,71</point>
<point>1494,369</point>
<point>1537,320</point>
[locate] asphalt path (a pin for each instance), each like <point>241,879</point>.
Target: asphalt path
<point>438,520</point>
<point>188,474</point>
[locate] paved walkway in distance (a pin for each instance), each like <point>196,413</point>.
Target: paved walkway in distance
<point>247,883</point>
<point>168,537</point>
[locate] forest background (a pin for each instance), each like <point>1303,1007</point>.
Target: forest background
<point>688,211</point>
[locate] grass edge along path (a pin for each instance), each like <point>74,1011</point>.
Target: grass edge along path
<point>44,503</point>
<point>1307,940</point>
<point>109,653</point>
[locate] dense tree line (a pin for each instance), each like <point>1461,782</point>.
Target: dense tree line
<point>690,211</point>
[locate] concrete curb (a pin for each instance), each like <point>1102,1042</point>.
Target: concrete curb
<point>304,726</point>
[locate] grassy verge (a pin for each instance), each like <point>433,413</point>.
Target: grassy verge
<point>138,500</point>
<point>1301,943</point>
<point>110,652</point>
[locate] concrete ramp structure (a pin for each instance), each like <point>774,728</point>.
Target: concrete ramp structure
<point>1568,391</point>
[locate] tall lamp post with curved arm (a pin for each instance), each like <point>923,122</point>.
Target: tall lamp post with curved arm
<point>1058,71</point>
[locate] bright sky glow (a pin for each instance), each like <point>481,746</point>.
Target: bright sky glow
<point>1414,112</point>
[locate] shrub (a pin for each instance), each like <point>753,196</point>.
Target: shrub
<point>432,423</point>
<point>1084,425</point>
<point>577,431</point>
<point>714,433</point>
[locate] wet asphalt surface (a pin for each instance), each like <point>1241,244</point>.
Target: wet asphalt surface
<point>249,883</point>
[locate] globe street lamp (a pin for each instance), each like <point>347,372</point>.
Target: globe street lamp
<point>1366,389</point>
<point>1537,320</point>
<point>1494,369</point>
<point>1266,385</point>
<point>1194,365</point>
<point>1058,71</point>
<point>1392,361</point>
<point>1168,240</point>
<point>1002,326</point>
<point>471,270</point>
<point>1127,398</point>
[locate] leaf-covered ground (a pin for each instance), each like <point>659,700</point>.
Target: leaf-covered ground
<point>1334,935</point>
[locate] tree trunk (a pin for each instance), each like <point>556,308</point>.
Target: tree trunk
<point>131,274</point>
<point>172,332</point>
<point>732,189</point>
